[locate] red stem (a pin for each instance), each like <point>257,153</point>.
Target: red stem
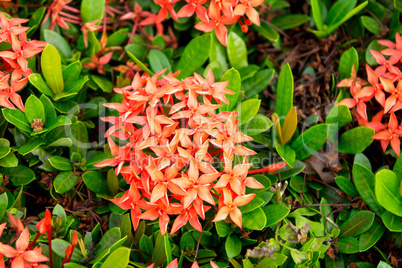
<point>259,170</point>
<point>71,255</point>
<point>216,152</point>
<point>34,241</point>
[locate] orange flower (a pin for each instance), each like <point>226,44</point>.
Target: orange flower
<point>230,207</point>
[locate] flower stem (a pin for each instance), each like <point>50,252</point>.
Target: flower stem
<point>49,237</point>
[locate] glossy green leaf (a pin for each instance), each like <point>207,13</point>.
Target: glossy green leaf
<point>336,15</point>
<point>34,109</point>
<point>20,175</point>
<point>103,82</point>
<point>96,182</point>
<point>275,213</point>
<point>233,76</point>
<point>355,140</point>
<point>373,45</point>
<point>232,246</point>
<point>237,51</point>
<point>290,21</point>
<point>92,10</point>
<point>256,125</point>
<point>247,110</point>
<point>267,31</point>
<point>187,241</point>
<point>346,62</point>
<point>118,258</point>
<point>369,238</point>
<point>257,82</point>
<point>60,163</point>
<point>310,141</point>
<point>254,220</point>
<point>371,24</point>
<point>364,181</point>
<point>284,91</point>
<point>40,84</point>
<point>58,41</point>
<point>256,202</point>
<point>79,136</point>
<point>158,255</point>
<point>387,186</point>
<point>286,152</point>
<point>223,228</point>
<point>65,181</point>
<point>3,205</point>
<point>357,224</point>
<point>31,145</point>
<point>194,55</point>
<point>316,11</point>
<point>348,245</point>
<point>17,118</point>
<point>158,61</point>
<point>346,185</point>
<point>392,222</point>
<point>51,69</point>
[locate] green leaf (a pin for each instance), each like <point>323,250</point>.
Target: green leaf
<point>310,141</point>
<point>392,222</point>
<point>316,10</point>
<point>247,110</point>
<point>9,161</point>
<point>237,51</point>
<point>369,238</point>
<point>233,246</point>
<point>275,213</point>
<point>348,245</point>
<point>347,186</point>
<point>60,163</point>
<point>339,115</point>
<point>112,182</point>
<point>286,152</point>
<point>51,117</point>
<point>355,140</point>
<point>383,265</point>
<point>233,76</point>
<point>72,73</point>
<point>387,186</point>
<point>290,21</point>
<point>267,31</point>
<point>146,245</point>
<point>51,69</point>
<point>31,145</point>
<point>79,136</point>
<point>35,20</point>
<point>108,239</point>
<point>137,61</point>
<point>297,183</point>
<point>118,258</point>
<point>4,151</point>
<point>187,241</point>
<point>360,222</point>
<point>96,182</point>
<point>257,82</point>
<point>65,181</point>
<point>3,205</point>
<point>92,10</point>
<point>58,41</point>
<point>40,84</point>
<point>256,125</point>
<point>34,109</point>
<point>371,24</point>
<point>158,254</point>
<point>103,82</point>
<point>194,55</point>
<point>158,61</point>
<point>20,175</point>
<point>398,5</point>
<point>17,118</point>
<point>364,181</point>
<point>336,15</point>
<point>346,62</point>
<point>254,220</point>
<point>223,228</point>
<point>284,91</point>
<point>255,203</point>
<point>125,229</point>
<point>374,45</point>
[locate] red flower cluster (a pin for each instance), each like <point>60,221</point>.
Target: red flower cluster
<point>385,86</point>
<point>166,152</point>
<point>56,13</point>
<point>23,255</point>
<point>218,14</point>
<point>14,61</point>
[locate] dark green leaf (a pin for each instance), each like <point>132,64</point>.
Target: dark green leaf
<point>19,175</point>
<point>284,91</point>
<point>247,110</point>
<point>347,186</point>
<point>254,220</point>
<point>234,79</point>
<point>158,61</point>
<point>369,238</point>
<point>360,222</point>
<point>96,182</point>
<point>275,213</point>
<point>371,24</point>
<point>310,141</point>
<point>392,222</point>
<point>194,55</point>
<point>257,82</point>
<point>232,246</point>
<point>355,140</point>
<point>348,245</point>
<point>267,31</point>
<point>58,41</point>
<point>65,181</point>
<point>387,186</point>
<point>60,163</point>
<point>290,21</point>
<point>346,62</point>
<point>40,84</point>
<point>17,118</point>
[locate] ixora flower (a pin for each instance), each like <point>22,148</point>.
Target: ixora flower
<point>14,60</point>
<point>385,85</point>
<point>163,141</point>
<point>23,255</point>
